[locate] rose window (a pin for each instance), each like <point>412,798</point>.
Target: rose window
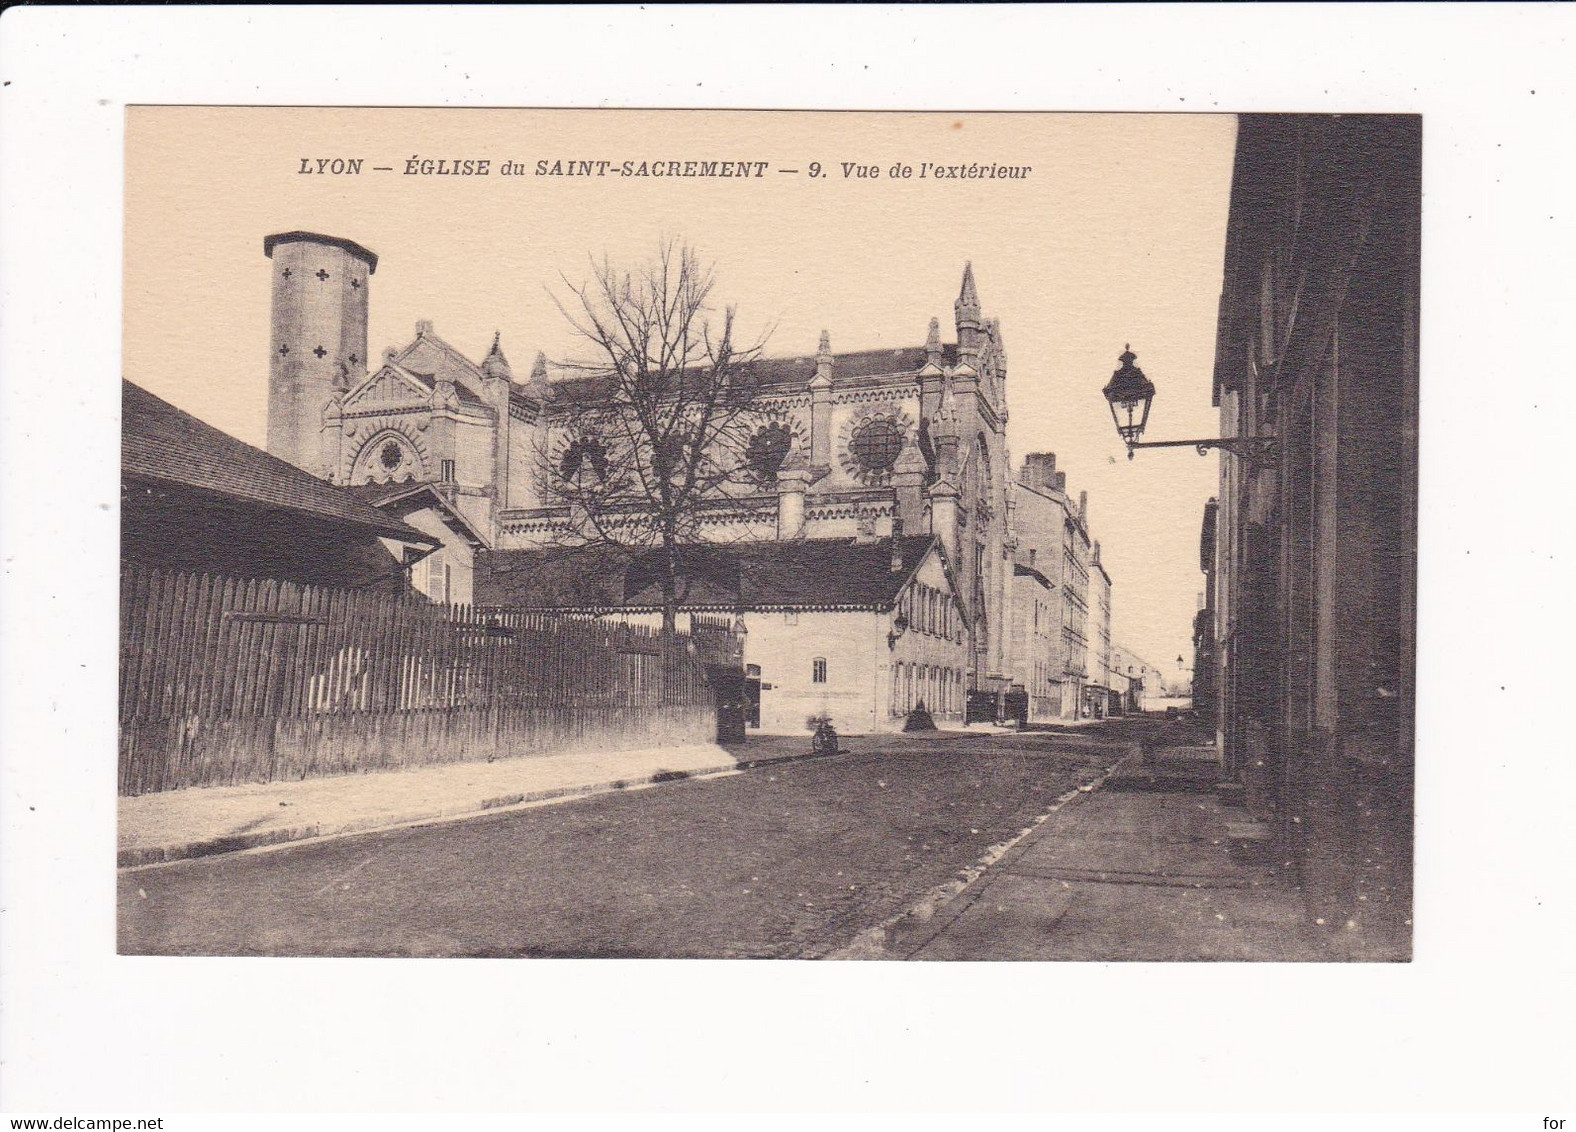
<point>767,450</point>
<point>876,444</point>
<point>391,457</point>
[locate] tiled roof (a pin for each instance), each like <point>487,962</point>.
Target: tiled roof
<point>800,573</point>
<point>161,443</point>
<point>784,371</point>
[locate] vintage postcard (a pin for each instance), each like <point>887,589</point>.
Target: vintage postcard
<point>768,534</point>
<point>945,498</point>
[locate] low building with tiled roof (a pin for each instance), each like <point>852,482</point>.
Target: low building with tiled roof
<point>196,499</point>
<point>863,629</point>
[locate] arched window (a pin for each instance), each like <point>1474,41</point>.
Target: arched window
<point>818,670</point>
<point>583,451</point>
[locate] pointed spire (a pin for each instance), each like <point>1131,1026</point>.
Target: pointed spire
<point>933,342</point>
<point>823,364</point>
<point>495,365</point>
<point>968,304</point>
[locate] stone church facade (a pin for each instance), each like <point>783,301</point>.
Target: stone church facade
<point>874,444</point>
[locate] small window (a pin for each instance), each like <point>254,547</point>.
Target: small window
<point>818,670</point>
<point>446,470</point>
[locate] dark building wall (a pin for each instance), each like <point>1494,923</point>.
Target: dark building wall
<point>1318,346</point>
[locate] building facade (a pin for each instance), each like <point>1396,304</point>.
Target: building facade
<point>1064,656</point>
<point>1145,682</point>
<point>1315,549</point>
<point>1206,663</point>
<point>1100,692</point>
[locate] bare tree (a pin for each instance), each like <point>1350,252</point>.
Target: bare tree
<point>655,430</point>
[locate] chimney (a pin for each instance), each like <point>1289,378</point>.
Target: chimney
<point>423,327</point>
<point>897,544</point>
<point>1061,482</point>
<point>1083,506</point>
<point>1039,470</point>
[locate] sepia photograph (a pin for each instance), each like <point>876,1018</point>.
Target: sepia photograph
<point>549,541</point>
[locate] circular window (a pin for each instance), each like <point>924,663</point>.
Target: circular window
<point>876,444</point>
<point>767,450</point>
<point>391,457</point>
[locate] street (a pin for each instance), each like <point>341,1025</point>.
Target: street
<point>788,860</point>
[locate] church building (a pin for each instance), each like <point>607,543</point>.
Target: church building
<point>903,447</point>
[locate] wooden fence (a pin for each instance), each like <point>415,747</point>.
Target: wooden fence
<point>226,681</point>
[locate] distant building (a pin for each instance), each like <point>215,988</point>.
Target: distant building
<point>1098,696</point>
<point>1052,568</point>
<point>197,500</point>
<point>1145,682</point>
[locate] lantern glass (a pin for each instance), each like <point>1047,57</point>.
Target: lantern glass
<point>1130,394</point>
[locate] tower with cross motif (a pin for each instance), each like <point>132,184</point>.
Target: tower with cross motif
<point>318,337</point>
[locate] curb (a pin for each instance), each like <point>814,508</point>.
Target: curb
<point>930,917</point>
<point>275,838</point>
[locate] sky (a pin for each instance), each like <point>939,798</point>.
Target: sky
<point>1115,236</point>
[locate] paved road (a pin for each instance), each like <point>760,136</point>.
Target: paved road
<point>784,861</point>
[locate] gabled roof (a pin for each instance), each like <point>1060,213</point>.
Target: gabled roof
<point>418,387</point>
<point>161,444</point>
<point>421,384</point>
<point>790,574</point>
<point>427,353</point>
<point>407,496</point>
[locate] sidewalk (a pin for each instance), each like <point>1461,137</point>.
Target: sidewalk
<point>1141,869</point>
<point>177,824</point>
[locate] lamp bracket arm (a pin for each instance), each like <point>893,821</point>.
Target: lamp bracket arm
<point>1251,448</point>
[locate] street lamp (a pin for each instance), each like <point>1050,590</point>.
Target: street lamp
<point>1130,394</point>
